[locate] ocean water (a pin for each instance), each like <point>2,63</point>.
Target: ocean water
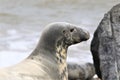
<point>21,23</point>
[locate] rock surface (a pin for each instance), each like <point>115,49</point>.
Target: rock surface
<point>105,46</point>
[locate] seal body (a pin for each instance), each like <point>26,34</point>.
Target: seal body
<point>81,71</point>
<point>48,59</point>
<point>27,70</point>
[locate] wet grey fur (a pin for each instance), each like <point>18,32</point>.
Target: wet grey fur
<point>105,46</point>
<point>81,71</point>
<point>48,60</point>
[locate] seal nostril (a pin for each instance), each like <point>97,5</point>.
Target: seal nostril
<point>85,36</point>
<point>88,35</point>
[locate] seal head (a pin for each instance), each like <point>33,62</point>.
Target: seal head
<point>66,32</point>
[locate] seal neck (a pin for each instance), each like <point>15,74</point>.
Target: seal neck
<point>55,58</point>
<point>61,56</point>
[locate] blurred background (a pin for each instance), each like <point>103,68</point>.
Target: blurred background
<point>21,23</point>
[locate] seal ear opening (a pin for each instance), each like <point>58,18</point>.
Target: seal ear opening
<point>64,31</point>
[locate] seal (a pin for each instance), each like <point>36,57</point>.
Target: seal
<point>48,59</point>
<point>84,71</point>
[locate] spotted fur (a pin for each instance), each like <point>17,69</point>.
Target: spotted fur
<point>61,55</point>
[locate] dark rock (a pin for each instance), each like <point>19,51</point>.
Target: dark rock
<point>105,46</point>
<point>81,71</point>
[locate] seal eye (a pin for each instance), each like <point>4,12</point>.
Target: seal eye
<point>71,30</point>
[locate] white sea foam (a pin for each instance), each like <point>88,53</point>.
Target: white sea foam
<point>9,58</point>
